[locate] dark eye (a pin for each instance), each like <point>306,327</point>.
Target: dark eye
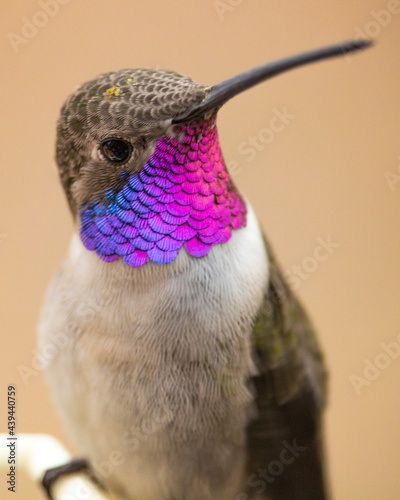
<point>116,150</point>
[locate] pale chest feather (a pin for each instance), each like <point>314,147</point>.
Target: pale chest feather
<point>158,357</point>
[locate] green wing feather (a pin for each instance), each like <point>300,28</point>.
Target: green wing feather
<point>290,392</point>
<point>285,342</point>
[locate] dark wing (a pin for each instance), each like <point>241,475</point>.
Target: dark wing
<point>285,459</point>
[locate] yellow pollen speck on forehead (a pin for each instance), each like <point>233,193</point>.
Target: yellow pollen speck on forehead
<point>113,91</point>
<point>132,81</point>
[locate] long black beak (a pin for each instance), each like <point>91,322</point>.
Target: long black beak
<point>221,93</point>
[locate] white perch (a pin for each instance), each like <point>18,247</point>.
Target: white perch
<point>38,452</point>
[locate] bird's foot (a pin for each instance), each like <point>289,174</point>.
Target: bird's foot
<point>78,465</point>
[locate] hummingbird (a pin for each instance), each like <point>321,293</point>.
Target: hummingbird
<point>183,366</point>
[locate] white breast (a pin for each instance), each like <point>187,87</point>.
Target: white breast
<point>151,363</point>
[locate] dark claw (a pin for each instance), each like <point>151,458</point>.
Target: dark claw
<point>51,475</point>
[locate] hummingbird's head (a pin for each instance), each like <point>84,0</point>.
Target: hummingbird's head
<point>140,162</point>
<point>109,128</point>
<point>141,183</point>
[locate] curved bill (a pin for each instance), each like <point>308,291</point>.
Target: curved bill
<point>221,93</point>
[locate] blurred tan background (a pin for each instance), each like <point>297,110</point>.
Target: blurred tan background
<point>332,171</point>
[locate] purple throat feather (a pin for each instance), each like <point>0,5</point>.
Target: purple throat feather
<point>183,197</point>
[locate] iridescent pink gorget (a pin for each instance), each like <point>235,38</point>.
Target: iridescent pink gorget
<point>183,196</point>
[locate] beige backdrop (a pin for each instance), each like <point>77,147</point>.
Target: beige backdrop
<point>331,171</point>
